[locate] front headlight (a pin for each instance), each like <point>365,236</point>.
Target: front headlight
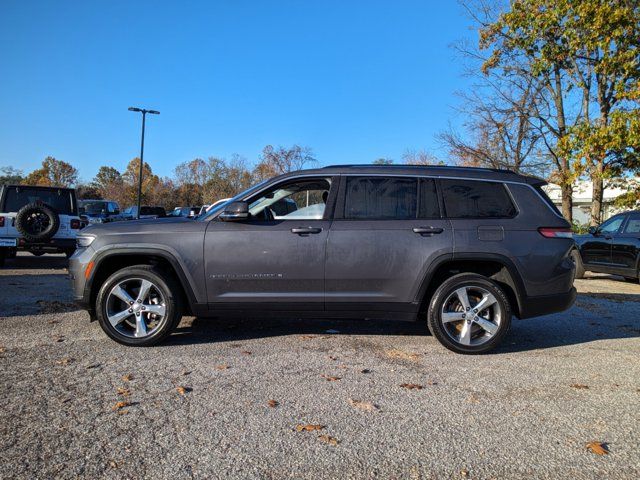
<point>83,241</point>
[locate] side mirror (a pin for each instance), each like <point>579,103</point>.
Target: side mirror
<point>593,230</point>
<point>235,211</point>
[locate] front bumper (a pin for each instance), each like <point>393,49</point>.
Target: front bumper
<point>546,304</point>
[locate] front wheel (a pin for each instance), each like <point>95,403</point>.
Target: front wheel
<point>139,306</point>
<point>469,314</point>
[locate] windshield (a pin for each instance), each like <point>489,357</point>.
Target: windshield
<point>93,207</point>
<point>219,207</point>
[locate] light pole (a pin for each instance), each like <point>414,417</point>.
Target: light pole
<point>144,116</point>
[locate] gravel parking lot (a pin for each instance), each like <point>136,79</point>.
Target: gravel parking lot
<point>241,398</point>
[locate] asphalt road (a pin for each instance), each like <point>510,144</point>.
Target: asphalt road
<point>525,411</point>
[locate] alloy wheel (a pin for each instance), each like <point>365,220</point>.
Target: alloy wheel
<point>136,307</point>
<point>471,315</point>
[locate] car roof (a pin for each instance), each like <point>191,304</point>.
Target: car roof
<point>39,187</point>
<point>423,170</point>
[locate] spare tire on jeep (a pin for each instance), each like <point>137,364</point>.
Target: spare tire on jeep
<point>37,222</point>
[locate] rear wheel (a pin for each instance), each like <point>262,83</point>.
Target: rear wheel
<point>577,259</point>
<point>139,306</point>
<point>469,314</point>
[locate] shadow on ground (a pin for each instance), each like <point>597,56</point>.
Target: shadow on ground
<point>579,325</point>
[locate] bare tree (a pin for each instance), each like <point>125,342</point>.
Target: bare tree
<point>420,157</point>
<point>278,160</point>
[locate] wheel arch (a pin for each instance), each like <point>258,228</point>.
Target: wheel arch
<point>108,262</point>
<point>494,266</point>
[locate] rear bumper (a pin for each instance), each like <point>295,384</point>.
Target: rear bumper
<point>53,245</point>
<point>547,304</point>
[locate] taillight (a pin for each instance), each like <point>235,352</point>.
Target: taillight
<point>553,232</point>
<point>75,223</point>
<point>1,221</point>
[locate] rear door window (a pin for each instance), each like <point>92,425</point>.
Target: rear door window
<point>378,198</point>
<point>476,199</point>
<point>633,225</point>
<point>60,200</point>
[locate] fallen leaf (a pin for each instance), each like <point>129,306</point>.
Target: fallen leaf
<point>93,365</point>
<point>185,372</point>
<point>365,370</point>
<point>395,353</point>
<point>58,338</point>
<point>273,403</point>
<point>245,352</point>
<point>183,390</point>
<point>113,464</point>
<point>580,386</point>
<point>412,386</point>
<point>309,428</point>
<point>331,379</point>
<point>224,366</point>
<point>366,406</point>
<point>125,392</point>
<point>328,439</point>
<point>598,448</point>
<point>120,405</point>
<point>464,472</point>
<point>128,377</point>
<point>65,361</point>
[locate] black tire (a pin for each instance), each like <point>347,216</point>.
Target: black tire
<point>37,222</point>
<point>163,282</point>
<point>443,332</point>
<point>577,259</point>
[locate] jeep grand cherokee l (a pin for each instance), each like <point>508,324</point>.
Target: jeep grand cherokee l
<point>463,249</point>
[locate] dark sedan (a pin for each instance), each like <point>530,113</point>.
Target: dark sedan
<point>612,247</point>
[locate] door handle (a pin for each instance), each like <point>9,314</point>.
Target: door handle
<point>428,230</point>
<point>305,230</point>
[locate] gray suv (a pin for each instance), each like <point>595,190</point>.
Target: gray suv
<point>462,248</point>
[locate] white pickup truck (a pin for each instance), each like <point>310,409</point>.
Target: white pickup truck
<point>38,220</point>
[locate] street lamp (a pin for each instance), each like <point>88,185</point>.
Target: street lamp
<point>144,115</point>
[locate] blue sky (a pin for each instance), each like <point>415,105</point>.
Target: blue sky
<point>354,80</point>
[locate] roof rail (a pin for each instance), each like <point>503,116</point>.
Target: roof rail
<point>444,167</point>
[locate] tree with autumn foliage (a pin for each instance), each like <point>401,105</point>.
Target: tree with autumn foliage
<point>584,56</point>
<point>53,173</point>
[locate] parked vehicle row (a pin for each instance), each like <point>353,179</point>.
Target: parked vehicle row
<point>463,249</point>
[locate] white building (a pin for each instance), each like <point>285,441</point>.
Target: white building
<point>582,199</point>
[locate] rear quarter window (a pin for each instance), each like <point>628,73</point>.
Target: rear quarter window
<point>476,199</point>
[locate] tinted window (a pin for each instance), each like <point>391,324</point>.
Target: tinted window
<point>633,225</point>
<point>476,199</point>
<point>612,225</point>
<point>428,199</point>
<point>60,200</point>
<point>381,198</point>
